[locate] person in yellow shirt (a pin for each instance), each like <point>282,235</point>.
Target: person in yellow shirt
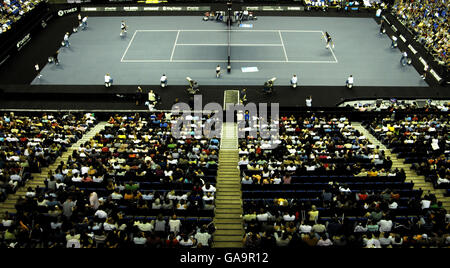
<point>313,214</point>
<point>372,173</point>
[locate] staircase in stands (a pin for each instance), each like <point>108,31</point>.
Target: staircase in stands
<point>419,181</point>
<point>228,212</point>
<point>38,179</point>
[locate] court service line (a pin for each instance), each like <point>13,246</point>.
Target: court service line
<point>174,46</point>
<point>129,44</point>
<point>284,48</point>
<point>238,45</point>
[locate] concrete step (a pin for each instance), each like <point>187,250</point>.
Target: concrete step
<point>228,238</point>
<point>238,227</point>
<point>234,195</point>
<point>228,216</point>
<point>228,206</point>
<point>220,244</point>
<point>237,211</point>
<point>230,232</point>
<point>223,222</point>
<point>228,189</point>
<point>228,202</point>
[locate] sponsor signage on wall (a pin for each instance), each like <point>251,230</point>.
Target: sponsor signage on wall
<point>274,8</point>
<point>146,8</point>
<point>23,41</point>
<point>63,12</point>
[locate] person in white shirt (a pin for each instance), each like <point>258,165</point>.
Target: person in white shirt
<point>123,28</point>
<point>101,214</point>
<point>309,101</point>
<point>38,71</point>
<point>394,42</point>
<point>349,82</point>
<point>140,239</point>
<point>66,40</point>
<point>385,225</point>
<point>287,217</point>
<point>116,195</point>
<point>84,24</point>
<point>425,204</point>
<point>208,188</point>
<point>294,81</point>
<point>186,241</point>
<point>174,225</point>
<point>305,228</point>
<point>218,71</point>
<point>404,58</point>
<point>77,178</point>
<point>163,80</point>
<point>108,80</point>
<point>425,70</point>
<point>203,237</point>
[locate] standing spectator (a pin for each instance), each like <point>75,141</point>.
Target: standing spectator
<point>68,208</point>
<point>139,95</point>
<point>309,101</point>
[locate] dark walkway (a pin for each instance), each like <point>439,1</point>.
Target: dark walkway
<point>101,98</point>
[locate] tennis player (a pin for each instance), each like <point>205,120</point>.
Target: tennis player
<point>123,28</point>
<point>329,40</point>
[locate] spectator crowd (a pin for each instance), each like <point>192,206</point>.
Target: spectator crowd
<point>31,142</point>
<point>428,21</point>
<point>12,10</point>
<point>327,185</point>
<point>131,185</point>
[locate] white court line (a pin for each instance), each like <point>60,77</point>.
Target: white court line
<point>236,61</point>
<point>284,48</point>
<point>129,44</point>
<point>237,45</point>
<point>218,30</point>
<point>332,52</point>
<point>174,45</point>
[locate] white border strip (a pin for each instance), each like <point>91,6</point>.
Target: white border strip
<point>222,60</point>
<point>218,30</point>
